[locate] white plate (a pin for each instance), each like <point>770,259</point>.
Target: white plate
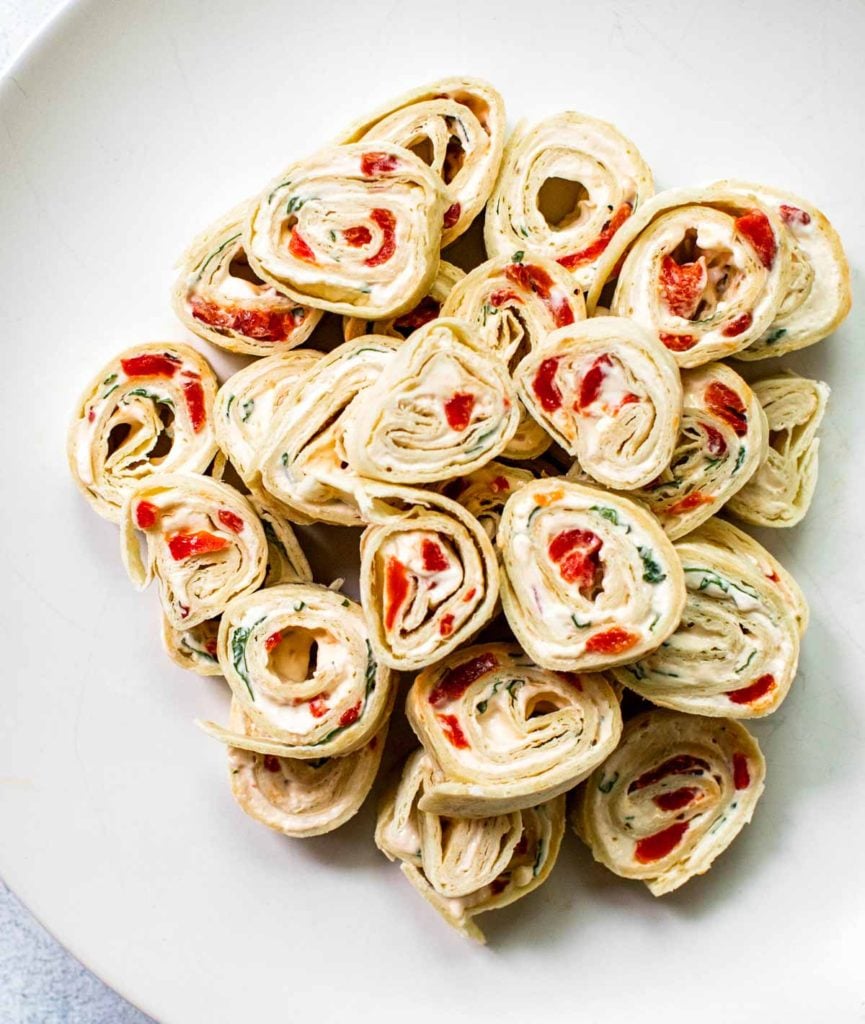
<point>125,129</point>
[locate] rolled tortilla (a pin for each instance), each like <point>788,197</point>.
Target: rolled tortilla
<point>465,867</point>
<point>149,410</point>
<point>504,734</point>
<point>610,394</point>
<point>352,229</point>
<point>671,798</point>
<point>484,492</point>
<point>589,579</point>
<point>457,126</point>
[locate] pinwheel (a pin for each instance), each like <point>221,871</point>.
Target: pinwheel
<point>429,578</point>
<point>504,734</point>
<point>298,660</point>
<point>610,394</point>
<point>301,798</point>
<point>429,307</point>
<point>219,297</point>
<point>734,655</point>
<point>457,126</point>
<point>484,492</point>
<point>589,579</point>
<point>303,464</point>
<point>353,229</point>
<point>204,544</point>
<point>673,795</point>
<point>513,303</point>
<point>818,293</point>
<point>723,439</point>
<point>193,649</point>
<point>566,187</point>
<point>147,411</point>
<point>441,408</point>
<point>465,867</point>
<point>780,491</point>
<point>705,271</point>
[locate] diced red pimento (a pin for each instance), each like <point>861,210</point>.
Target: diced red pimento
<point>727,405</point>
<point>738,326</point>
<point>756,228</point>
<point>793,215</point>
<point>427,309</point>
<point>229,520</point>
<point>682,285</point>
<point>741,775</point>
<point>299,248</point>
<point>455,681</point>
<point>210,647</point>
<point>676,799</point>
<point>318,708</point>
<point>151,365</point>
<point>271,763</point>
<point>611,641</point>
<point>773,576</point>
<point>469,595</point>
<point>499,484</point>
<point>597,247</point>
<point>349,717</point>
<point>386,222</point>
<point>452,215</point>
<point>453,731</point>
<point>377,163</point>
<point>433,556</point>
<point>657,846</point>
<point>502,295</point>
<point>545,387</point>
<point>537,280</point>
<point>756,691</point>
<point>91,414</point>
<point>577,554</point>
<point>687,504</point>
<point>680,764</point>
<point>678,342</point>
<point>186,544</point>
<point>273,641</point>
<point>357,236</point>
<point>593,380</point>
<point>446,626</point>
<point>260,324</point>
<point>146,515</point>
<point>458,410</point>
<point>715,443</point>
<point>193,392</point>
<point>396,590</point>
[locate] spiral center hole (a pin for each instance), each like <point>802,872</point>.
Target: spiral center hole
<point>560,202</point>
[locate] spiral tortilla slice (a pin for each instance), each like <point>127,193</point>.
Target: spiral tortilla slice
<point>303,464</point>
<point>672,797</point>
<point>736,651</point>
<point>722,441</point>
<point>193,649</point>
<point>429,307</point>
<point>147,411</point>
<point>353,229</point>
<point>780,491</point>
<point>465,867</point>
<point>504,734</point>
<point>441,408</point>
<point>249,402</point>
<point>566,187</point>
<point>513,302</point>
<point>301,798</point>
<point>484,492</point>
<point>818,294</point>
<point>429,577</point>
<point>219,297</point>
<point>703,270</point>
<point>589,579</point>
<point>610,395</point>
<point>204,542</point>
<point>457,126</point>
<point>735,541</point>
<point>298,660</point>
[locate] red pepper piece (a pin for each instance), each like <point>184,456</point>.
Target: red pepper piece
<point>656,846</point>
<point>680,764</point>
<point>387,222</point>
<point>537,280</point>
<point>682,286</point>
<point>454,683</point>
<point>458,410</point>
<point>251,323</point>
<point>318,708</point>
<point>427,309</point>
<point>377,163</point>
<point>193,392</point>
<point>433,557</point>
<point>741,775</point>
<point>793,215</point>
<point>728,406</point>
<point>358,236</point>
<point>597,247</point>
<point>611,641</point>
<point>299,248</point>
<point>748,694</point>
<point>503,295</point>
<point>453,731</point>
<point>676,799</point>
<point>593,380</point>
<point>446,626</point>
<point>499,484</point>
<point>452,215</point>
<point>151,365</point>
<point>396,590</point>
<point>545,387</point>
<point>715,443</point>
<point>185,545</point>
<point>273,641</point>
<point>349,717</point>
<point>229,520</point>
<point>687,504</point>
<point>469,595</point>
<point>756,228</point>
<point>146,515</point>
<point>577,554</point>
<point>678,342</point>
<point>738,326</point>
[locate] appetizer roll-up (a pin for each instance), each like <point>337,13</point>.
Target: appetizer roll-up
<point>610,394</point>
<point>589,579</point>
<point>566,186</point>
<point>441,408</point>
<point>219,297</point>
<point>504,734</point>
<point>298,661</point>
<point>353,229</point>
<point>193,649</point>
<point>780,491</point>
<point>429,578</point>
<point>297,797</point>
<point>722,441</point>
<point>465,867</point>
<point>736,542</point>
<point>303,464</point>
<point>484,492</point>
<point>673,795</point>
<point>149,410</point>
<point>457,126</point>
<point>249,401</point>
<point>735,652</point>
<point>513,303</point>
<point>429,307</point>
<point>204,544</point>
<point>704,271</point>
<point>817,298</point>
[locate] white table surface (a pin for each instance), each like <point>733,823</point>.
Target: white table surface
<point>40,983</point>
